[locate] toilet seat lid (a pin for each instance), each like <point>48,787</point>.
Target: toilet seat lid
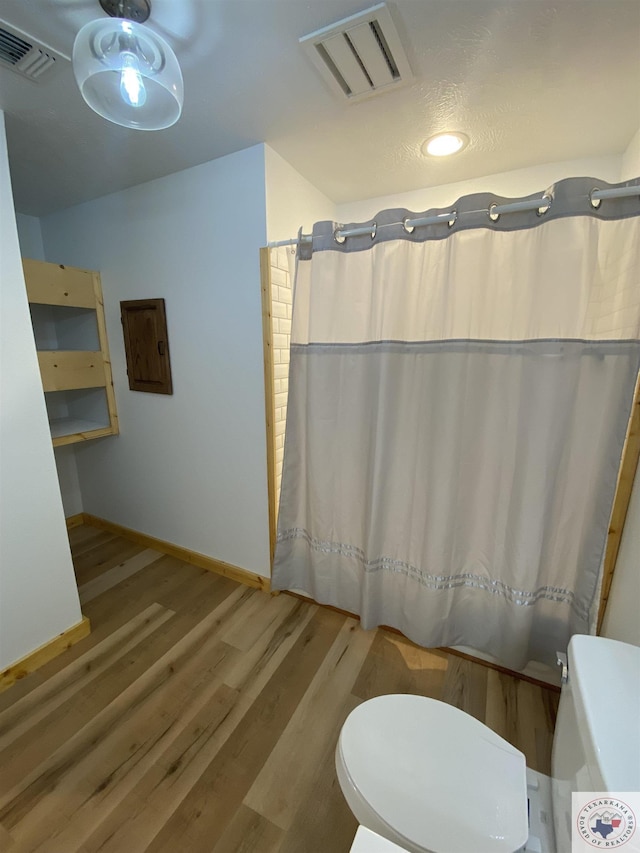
<point>435,775</point>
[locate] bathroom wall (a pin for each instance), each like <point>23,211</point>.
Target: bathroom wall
<point>30,237</point>
<point>286,199</point>
<point>631,159</point>
<point>38,595</point>
<point>520,182</point>
<point>292,202</point>
<point>188,468</point>
<point>69,479</point>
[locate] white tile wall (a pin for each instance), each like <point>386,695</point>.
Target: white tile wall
<point>281,304</point>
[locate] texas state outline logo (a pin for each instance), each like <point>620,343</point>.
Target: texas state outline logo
<point>605,821</point>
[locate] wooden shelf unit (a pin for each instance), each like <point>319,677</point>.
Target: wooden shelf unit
<point>67,312</point>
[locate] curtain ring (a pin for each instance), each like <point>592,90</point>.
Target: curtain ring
<point>408,228</point>
<point>493,216</point>
<point>542,210</point>
<point>454,218</point>
<point>595,202</point>
<point>339,238</point>
<point>374,230</point>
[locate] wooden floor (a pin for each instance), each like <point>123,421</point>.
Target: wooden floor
<point>201,715</point>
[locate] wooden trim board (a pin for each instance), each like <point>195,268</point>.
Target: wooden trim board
<point>269,400</point>
<point>184,554</point>
<point>104,346</point>
<point>74,520</point>
<point>624,486</point>
<point>85,435</point>
<point>71,370</point>
<point>43,654</point>
<point>57,284</point>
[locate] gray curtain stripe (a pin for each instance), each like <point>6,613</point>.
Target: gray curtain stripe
<point>546,346</point>
<point>521,597</point>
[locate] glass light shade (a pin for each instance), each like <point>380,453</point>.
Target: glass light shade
<point>128,74</point>
<point>445,144</point>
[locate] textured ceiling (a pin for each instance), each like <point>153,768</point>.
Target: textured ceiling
<point>529,81</point>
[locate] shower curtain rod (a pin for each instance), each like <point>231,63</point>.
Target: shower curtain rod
<point>494,211</point>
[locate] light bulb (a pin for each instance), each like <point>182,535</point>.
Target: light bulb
<point>131,84</point>
<point>126,73</point>
<point>444,144</point>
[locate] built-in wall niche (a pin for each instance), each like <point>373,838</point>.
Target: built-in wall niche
<point>59,327</point>
<point>71,339</point>
<point>79,411</point>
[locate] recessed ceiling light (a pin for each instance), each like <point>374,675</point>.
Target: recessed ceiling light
<point>444,144</point>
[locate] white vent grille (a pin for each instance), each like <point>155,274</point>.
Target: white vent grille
<point>361,55</point>
<point>22,54</point>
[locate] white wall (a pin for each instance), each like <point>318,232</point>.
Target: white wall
<point>69,479</point>
<point>188,468</point>
<point>30,237</point>
<point>631,159</point>
<point>38,595</point>
<point>291,200</point>
<point>513,184</point>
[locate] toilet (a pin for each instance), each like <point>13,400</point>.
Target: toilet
<point>433,779</point>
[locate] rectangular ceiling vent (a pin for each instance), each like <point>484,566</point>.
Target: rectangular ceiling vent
<point>24,55</point>
<point>360,56</point>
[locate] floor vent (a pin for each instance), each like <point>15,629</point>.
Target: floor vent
<point>360,56</point>
<point>22,54</point>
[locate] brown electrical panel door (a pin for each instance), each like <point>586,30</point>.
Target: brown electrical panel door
<point>144,324</point>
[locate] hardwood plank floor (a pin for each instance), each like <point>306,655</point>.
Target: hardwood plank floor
<point>201,715</point>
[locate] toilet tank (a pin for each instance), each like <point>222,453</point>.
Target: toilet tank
<point>596,746</point>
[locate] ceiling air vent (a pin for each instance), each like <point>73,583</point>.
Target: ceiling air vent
<point>22,54</point>
<point>360,56</point>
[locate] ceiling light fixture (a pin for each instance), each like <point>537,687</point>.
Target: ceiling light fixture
<point>125,72</point>
<point>444,144</point>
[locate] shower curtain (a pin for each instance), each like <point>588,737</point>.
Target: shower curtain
<point>458,402</point>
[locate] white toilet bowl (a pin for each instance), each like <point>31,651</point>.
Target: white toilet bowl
<point>431,778</point>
